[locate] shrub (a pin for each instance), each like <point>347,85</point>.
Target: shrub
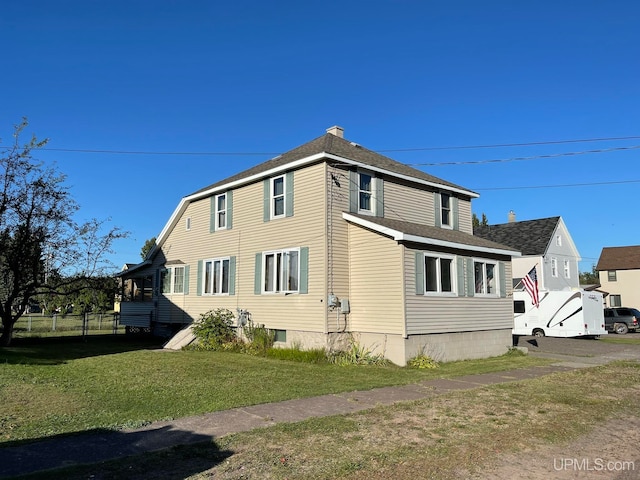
<point>260,338</point>
<point>357,355</point>
<point>422,361</point>
<point>215,329</point>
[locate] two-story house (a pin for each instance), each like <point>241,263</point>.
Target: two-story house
<point>544,243</point>
<point>331,240</point>
<point>619,272</point>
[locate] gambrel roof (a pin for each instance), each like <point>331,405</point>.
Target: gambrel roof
<point>619,258</point>
<point>531,237</point>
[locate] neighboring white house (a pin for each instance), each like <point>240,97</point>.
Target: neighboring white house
<point>544,243</point>
<point>329,241</point>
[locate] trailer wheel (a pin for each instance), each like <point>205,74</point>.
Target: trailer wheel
<point>621,328</point>
<point>538,332</point>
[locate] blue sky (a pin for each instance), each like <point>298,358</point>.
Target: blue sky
<point>252,79</point>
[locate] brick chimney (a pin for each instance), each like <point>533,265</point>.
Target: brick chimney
<point>336,130</point>
<point>512,216</point>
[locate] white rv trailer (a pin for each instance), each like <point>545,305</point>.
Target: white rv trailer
<point>561,314</point>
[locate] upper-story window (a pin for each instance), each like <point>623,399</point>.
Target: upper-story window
<point>187,224</point>
<point>445,210</point>
<point>554,267</point>
<point>221,211</point>
<point>559,240</point>
<point>216,276</point>
<point>612,275</point>
<point>567,269</point>
<point>365,193</point>
<point>485,273</point>
<point>278,197</point>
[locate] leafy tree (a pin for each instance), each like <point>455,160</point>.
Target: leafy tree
<point>590,278</point>
<point>43,250</point>
<point>479,223</point>
<point>147,247</point>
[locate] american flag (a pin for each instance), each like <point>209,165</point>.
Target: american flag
<point>531,284</point>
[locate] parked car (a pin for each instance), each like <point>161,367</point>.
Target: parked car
<point>621,319</point>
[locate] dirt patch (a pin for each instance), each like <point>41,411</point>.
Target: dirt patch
<point>608,452</point>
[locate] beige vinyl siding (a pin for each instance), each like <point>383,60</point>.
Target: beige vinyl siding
<point>251,235</point>
<point>407,203</point>
<point>376,283</point>
<point>337,246</point>
<point>464,216</point>
<point>434,314</point>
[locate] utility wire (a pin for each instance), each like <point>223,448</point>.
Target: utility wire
<point>556,186</point>
<point>514,159</point>
<point>458,147</point>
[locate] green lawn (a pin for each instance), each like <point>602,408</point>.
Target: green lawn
<point>49,387</point>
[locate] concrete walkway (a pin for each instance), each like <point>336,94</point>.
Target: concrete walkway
<point>103,445</point>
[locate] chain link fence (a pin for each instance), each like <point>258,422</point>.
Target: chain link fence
<point>68,324</point>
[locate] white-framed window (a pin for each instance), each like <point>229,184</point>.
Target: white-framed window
<point>559,240</point>
<point>174,280</point>
<point>567,269</point>
<point>615,300</point>
<point>612,275</point>
<point>221,211</point>
<point>215,276</point>
<point>439,274</point>
<point>278,194</point>
<point>554,267</point>
<point>446,219</point>
<point>281,271</point>
<point>365,193</point>
<point>485,277</point>
<point>187,224</point>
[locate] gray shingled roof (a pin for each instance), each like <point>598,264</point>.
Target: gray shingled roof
<point>619,258</point>
<point>335,145</point>
<point>437,233</point>
<point>531,237</point>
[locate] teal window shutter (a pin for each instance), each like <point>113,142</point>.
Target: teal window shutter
<point>288,179</point>
<point>379,197</point>
<point>436,207</point>
<point>353,191</point>
<point>257,288</point>
<point>212,215</point>
<point>419,273</point>
<point>199,278</point>
<point>455,212</point>
<point>503,279</point>
<point>186,279</point>
<point>471,282</point>
<point>266,216</point>
<point>303,285</point>
<point>232,275</point>
<point>229,210</point>
<point>460,274</point>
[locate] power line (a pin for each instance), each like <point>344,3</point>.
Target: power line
<point>458,147</point>
<point>534,157</point>
<point>556,186</point>
<point>501,145</point>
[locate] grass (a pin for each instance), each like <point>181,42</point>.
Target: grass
<point>621,339</point>
<point>58,387</point>
<point>447,437</point>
